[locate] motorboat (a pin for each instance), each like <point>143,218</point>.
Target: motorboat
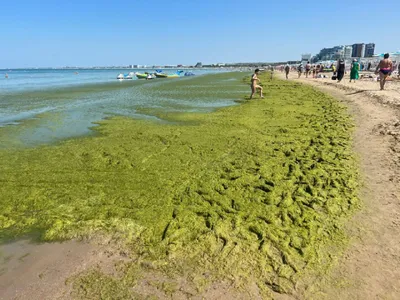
<point>144,75</point>
<point>141,75</point>
<point>164,75</point>
<point>125,76</point>
<point>161,75</point>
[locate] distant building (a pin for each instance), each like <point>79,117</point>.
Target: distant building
<point>347,52</point>
<point>198,65</point>
<point>358,50</point>
<point>369,50</point>
<point>330,53</point>
<point>306,57</point>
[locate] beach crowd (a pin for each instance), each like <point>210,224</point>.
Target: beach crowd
<point>379,71</point>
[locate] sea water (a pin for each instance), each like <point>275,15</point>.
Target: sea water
<point>46,106</point>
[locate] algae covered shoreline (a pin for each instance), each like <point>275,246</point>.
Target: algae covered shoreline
<point>257,192</point>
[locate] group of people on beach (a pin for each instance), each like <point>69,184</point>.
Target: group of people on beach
<point>383,70</point>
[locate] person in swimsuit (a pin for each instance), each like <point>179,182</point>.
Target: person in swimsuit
<point>317,70</point>
<point>300,69</point>
<point>308,69</point>
<point>385,69</point>
<point>255,85</point>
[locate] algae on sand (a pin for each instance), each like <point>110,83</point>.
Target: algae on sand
<point>255,192</point>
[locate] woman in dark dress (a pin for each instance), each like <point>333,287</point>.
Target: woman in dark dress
<point>341,68</point>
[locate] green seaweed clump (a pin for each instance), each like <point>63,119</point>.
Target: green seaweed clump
<point>257,192</point>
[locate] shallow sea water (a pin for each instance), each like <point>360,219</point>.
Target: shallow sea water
<point>38,107</point>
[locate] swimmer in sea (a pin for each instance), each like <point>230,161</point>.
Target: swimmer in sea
<point>385,69</point>
<point>255,85</point>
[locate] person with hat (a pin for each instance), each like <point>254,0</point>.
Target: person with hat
<point>355,67</point>
<point>254,84</point>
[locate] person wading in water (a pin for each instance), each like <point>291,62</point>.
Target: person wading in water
<point>254,84</point>
<point>384,68</point>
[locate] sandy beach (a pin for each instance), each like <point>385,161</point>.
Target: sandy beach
<point>255,201</point>
<point>370,268</point>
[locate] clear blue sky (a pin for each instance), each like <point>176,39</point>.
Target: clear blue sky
<point>84,33</point>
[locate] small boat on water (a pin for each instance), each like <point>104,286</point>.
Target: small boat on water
<point>161,75</point>
<point>144,75</point>
<point>189,74</point>
<point>164,75</point>
<point>125,76</point>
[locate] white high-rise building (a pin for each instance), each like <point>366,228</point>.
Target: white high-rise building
<point>348,50</point>
<point>306,57</point>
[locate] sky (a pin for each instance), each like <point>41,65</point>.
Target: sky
<point>56,33</point>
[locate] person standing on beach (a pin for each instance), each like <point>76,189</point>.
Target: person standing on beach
<point>398,70</point>
<point>287,70</point>
<point>308,69</point>
<point>341,68</point>
<point>385,69</point>
<point>317,70</point>
<point>254,84</point>
<point>355,67</point>
<point>300,69</point>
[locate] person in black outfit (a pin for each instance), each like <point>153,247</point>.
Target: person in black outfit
<point>341,68</point>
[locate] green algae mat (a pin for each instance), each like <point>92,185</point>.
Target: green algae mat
<point>254,193</point>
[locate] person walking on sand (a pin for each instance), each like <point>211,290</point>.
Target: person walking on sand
<point>308,69</point>
<point>355,67</point>
<point>254,84</point>
<point>300,69</point>
<point>384,68</point>
<point>341,68</point>
<point>287,70</point>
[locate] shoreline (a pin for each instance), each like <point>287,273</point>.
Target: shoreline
<point>370,267</point>
<point>219,186</point>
